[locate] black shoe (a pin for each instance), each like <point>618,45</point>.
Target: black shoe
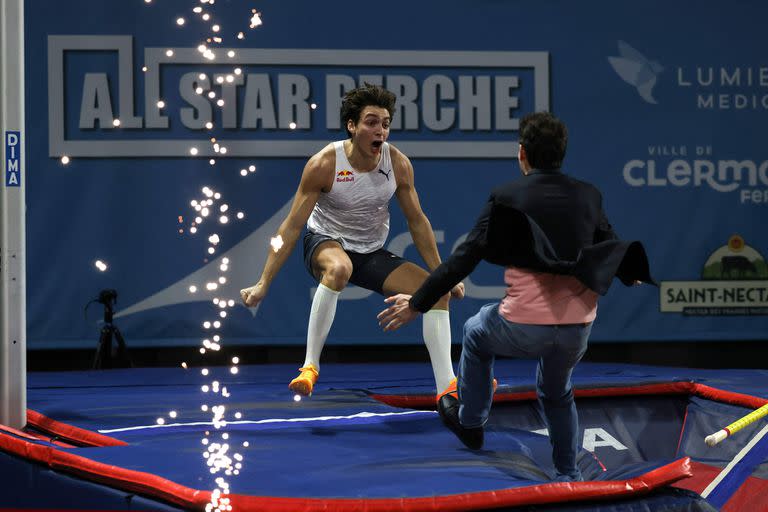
<point>448,407</point>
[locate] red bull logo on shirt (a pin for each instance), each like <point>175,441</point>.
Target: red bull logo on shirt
<point>345,176</point>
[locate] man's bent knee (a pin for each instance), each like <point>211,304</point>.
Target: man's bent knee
<point>471,335</point>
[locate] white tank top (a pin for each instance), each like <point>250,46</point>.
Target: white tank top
<point>356,210</point>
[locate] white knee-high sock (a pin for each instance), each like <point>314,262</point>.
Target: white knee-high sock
<point>437,338</point>
<point>320,320</point>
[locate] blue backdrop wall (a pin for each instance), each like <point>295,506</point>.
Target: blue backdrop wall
<point>666,105</point>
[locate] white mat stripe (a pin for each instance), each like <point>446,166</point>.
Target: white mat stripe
<point>744,451</point>
<point>358,415</point>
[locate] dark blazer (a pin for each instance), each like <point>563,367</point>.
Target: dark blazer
<point>545,222</point>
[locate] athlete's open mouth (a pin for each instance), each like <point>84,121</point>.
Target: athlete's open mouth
<point>377,144</point>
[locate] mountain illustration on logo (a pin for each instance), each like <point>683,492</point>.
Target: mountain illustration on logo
<point>735,261</point>
<point>635,69</point>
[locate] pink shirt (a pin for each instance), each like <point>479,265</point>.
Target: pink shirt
<point>546,299</point>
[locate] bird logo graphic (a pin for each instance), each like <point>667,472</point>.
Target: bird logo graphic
<point>635,69</point>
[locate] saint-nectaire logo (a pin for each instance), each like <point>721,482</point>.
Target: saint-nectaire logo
<point>734,281</point>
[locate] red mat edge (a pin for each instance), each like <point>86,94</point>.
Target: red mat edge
<point>70,432</point>
<point>159,488</point>
<point>665,388</point>
<point>156,487</point>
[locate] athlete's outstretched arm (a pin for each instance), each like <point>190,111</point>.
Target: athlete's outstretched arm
<point>315,178</point>
<point>418,223</point>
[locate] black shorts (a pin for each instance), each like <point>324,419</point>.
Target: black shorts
<point>369,270</point>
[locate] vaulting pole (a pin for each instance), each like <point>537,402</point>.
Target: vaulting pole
<point>13,294</point>
<point>737,425</point>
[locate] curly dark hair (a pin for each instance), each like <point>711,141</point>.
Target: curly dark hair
<point>366,95</point>
<point>544,138</point>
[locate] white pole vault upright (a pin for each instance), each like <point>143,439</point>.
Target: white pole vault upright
<point>13,297</point>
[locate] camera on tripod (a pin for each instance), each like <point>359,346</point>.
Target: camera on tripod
<point>109,299</point>
<point>107,355</point>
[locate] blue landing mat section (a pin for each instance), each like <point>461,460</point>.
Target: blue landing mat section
<point>342,444</point>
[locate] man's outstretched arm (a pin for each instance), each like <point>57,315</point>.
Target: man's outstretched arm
<point>458,266</point>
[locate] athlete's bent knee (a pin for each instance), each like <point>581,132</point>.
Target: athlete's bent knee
<point>337,274</point>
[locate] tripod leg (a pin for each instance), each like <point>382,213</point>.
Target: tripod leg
<point>123,359</point>
<point>103,357</point>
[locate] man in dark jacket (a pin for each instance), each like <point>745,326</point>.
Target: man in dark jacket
<point>550,232</point>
